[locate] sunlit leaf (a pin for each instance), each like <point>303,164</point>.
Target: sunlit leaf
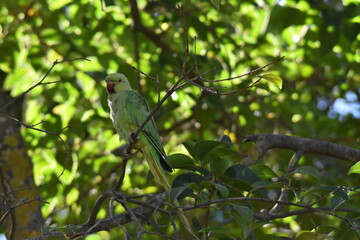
<point>276,80</point>
<point>354,169</point>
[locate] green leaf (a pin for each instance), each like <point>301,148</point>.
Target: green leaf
<point>263,171</point>
<point>18,80</point>
<point>336,201</point>
<point>221,188</point>
<point>354,169</point>
<point>241,172</point>
<point>262,184</point>
<point>321,190</point>
<point>342,193</point>
<point>203,148</point>
<point>309,170</point>
<point>58,4</point>
<point>216,153</point>
<point>263,86</point>
<point>316,192</point>
<point>190,147</point>
<point>276,80</point>
<point>236,183</point>
<point>186,178</point>
<point>244,217</point>
<point>176,192</point>
<point>310,235</point>
<point>179,160</point>
<point>190,181</point>
<point>292,15</point>
<point>219,166</point>
<point>326,229</point>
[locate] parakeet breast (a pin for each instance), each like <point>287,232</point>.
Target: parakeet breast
<point>119,114</point>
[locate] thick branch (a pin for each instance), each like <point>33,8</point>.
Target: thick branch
<point>107,223</point>
<point>268,141</point>
<point>264,215</point>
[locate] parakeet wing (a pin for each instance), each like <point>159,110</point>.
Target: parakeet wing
<point>139,110</point>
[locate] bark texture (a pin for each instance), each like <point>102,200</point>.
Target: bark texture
<point>19,205</point>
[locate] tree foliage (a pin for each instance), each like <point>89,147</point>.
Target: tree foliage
<point>55,55</point>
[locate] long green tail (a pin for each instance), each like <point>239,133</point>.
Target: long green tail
<point>152,158</point>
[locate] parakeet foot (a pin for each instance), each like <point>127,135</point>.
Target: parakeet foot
<point>132,138</point>
<point>126,153</point>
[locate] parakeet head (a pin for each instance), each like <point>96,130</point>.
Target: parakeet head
<point>116,82</point>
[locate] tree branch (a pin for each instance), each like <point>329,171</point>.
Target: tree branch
<point>41,81</point>
<point>268,141</point>
<point>143,211</point>
<point>80,231</point>
<point>284,195</point>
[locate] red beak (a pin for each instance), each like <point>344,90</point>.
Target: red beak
<point>110,87</point>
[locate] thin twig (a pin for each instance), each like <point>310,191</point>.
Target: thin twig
<point>19,204</point>
<point>121,198</point>
<point>41,81</point>
<point>195,57</point>
<point>92,218</point>
<point>217,201</point>
<point>113,217</point>
<point>247,73</point>
<point>122,172</point>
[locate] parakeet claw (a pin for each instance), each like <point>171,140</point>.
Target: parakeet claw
<point>132,138</point>
<point>127,153</point>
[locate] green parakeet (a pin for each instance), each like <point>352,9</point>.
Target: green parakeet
<point>128,110</point>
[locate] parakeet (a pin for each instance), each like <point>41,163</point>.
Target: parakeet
<point>128,110</point>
